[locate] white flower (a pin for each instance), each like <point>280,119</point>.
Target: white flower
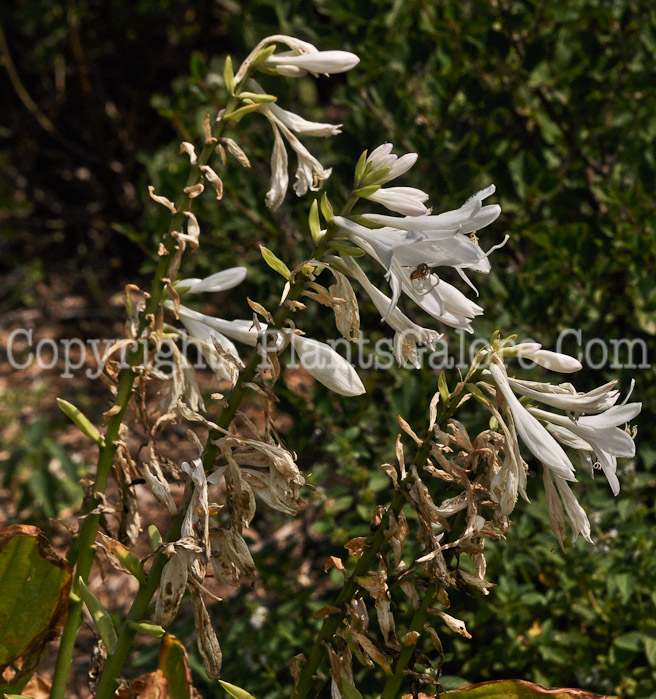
<point>536,438</point>
<point>408,333</point>
<point>600,436</point>
<point>470,217</point>
<point>383,166</point>
<point>310,173</point>
<point>223,363</point>
<point>303,58</point>
<point>279,175</point>
<point>292,65</point>
<point>298,124</point>
<point>211,334</point>
<point>294,122</point>
<point>240,330</point>
<point>565,397</point>
<point>220,281</point>
<point>602,431</point>
<point>405,200</point>
<point>402,252</point>
<point>327,367</point>
<point>445,303</point>
<point>555,361</point>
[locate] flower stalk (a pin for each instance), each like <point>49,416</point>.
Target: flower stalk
<point>368,560</point>
<point>83,554</point>
<point>127,633</point>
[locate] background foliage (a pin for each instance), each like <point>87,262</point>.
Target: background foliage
<point>552,102</point>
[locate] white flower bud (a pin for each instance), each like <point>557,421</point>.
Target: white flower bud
<point>550,360</point>
<point>293,66</point>
<point>219,281</point>
<point>405,200</point>
<point>328,367</point>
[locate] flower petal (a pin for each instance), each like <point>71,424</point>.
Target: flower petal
<point>538,441</point>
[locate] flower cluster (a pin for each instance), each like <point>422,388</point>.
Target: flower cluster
<point>409,247</point>
<point>590,425</point>
<point>301,59</point>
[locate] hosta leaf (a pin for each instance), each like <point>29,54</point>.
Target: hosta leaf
<point>518,689</point>
<point>35,582</point>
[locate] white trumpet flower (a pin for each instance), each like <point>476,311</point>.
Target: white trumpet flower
<point>220,353</point>
<point>470,217</point>
<point>313,60</point>
<point>598,439</point>
<point>534,435</point>
<point>404,200</point>
<point>408,333</point>
<point>601,431</point>
<point>310,172</point>
<point>279,174</point>
<point>302,126</point>
<point>565,397</point>
<point>240,330</point>
<point>327,366</point>
<point>220,281</point>
<point>402,253</point>
<point>445,303</point>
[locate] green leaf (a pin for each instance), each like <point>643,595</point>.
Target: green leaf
<point>275,263</point>
<point>234,691</point>
<point>154,537</point>
<point>366,191</point>
<point>82,422</point>
<point>174,666</point>
<point>126,558</point>
<point>443,388</point>
<point>229,75</point>
<point>35,583</point>
<point>378,176</point>
<point>258,97</point>
<point>327,208</point>
<point>516,689</point>
<point>359,168</point>
<point>99,614</point>
<point>147,627</point>
<point>263,56</point>
<point>629,641</point>
<point>240,113</point>
<point>314,222</point>
<point>650,650</point>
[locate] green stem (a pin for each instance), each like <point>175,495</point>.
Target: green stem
<point>392,687</point>
<point>116,660</point>
<point>107,685</point>
<point>89,529</point>
<point>368,559</point>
